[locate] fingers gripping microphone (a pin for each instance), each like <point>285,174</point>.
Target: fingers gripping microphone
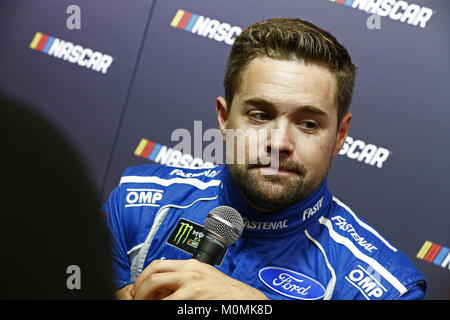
<point>223,226</point>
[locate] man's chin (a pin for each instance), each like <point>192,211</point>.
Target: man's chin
<point>273,192</point>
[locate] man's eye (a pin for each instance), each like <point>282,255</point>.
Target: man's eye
<point>309,125</point>
<point>260,116</point>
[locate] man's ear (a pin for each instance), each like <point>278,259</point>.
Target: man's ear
<point>344,127</point>
<point>222,115</point>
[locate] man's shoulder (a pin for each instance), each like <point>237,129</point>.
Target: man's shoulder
<point>147,192</point>
<point>176,185</point>
<point>363,259</point>
<point>346,226</point>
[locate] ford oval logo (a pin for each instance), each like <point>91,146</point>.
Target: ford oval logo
<point>291,284</point>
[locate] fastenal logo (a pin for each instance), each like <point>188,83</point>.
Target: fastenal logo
<point>162,154</point>
<point>366,152</point>
<point>265,225</point>
<point>435,253</point>
<point>399,10</point>
<point>308,213</point>
<point>73,53</point>
<point>347,227</point>
<point>208,173</point>
<point>205,27</point>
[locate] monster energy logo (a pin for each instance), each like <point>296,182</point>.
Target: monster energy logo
<point>186,236</point>
<point>183,233</point>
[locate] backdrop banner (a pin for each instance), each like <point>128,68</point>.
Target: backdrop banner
<point>123,79</point>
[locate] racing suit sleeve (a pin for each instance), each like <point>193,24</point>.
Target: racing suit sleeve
<point>415,293</point>
<point>115,224</point>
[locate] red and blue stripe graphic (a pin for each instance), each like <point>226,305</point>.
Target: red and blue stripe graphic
<point>41,42</point>
<point>205,26</point>
<point>435,253</point>
<point>344,2</point>
<point>184,20</point>
<point>147,149</point>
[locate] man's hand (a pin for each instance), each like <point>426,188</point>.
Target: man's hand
<point>189,280</point>
<point>124,293</point>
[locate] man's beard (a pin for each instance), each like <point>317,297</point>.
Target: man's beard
<point>267,193</point>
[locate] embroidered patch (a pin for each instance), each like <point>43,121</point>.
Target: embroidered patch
<point>291,284</point>
<point>186,236</point>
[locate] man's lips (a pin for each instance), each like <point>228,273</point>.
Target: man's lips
<point>268,170</point>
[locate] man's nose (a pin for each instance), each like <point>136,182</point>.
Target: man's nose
<point>280,138</point>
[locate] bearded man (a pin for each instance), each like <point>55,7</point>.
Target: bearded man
<point>290,77</point>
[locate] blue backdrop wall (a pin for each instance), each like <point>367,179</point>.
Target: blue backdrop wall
<point>139,69</point>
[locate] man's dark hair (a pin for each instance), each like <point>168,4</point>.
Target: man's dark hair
<point>287,39</point>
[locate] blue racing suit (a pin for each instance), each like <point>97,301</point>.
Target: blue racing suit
<point>316,249</point>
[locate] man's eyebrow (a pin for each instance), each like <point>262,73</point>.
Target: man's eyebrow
<point>260,102</point>
<point>315,110</point>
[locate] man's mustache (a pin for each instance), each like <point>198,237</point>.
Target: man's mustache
<point>282,165</point>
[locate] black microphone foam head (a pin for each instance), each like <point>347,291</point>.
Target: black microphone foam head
<point>226,223</point>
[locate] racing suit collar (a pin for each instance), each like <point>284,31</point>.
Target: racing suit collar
<point>295,217</point>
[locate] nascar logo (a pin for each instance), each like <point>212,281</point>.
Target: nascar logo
<point>162,154</point>
<point>67,51</point>
<point>435,253</point>
<point>364,152</point>
<point>205,27</point>
<point>396,10</point>
<point>352,148</point>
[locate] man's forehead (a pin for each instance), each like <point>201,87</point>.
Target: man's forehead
<point>288,81</point>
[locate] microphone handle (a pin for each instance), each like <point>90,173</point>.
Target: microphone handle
<point>209,250</point>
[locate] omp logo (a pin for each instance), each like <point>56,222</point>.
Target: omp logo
<point>366,283</point>
<point>205,27</point>
<point>435,253</point>
<point>368,153</point>
<point>162,154</point>
<point>73,53</point>
<point>412,14</point>
<point>143,197</point>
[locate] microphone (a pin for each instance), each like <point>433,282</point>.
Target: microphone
<point>223,226</point>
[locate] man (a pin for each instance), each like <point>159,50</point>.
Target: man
<point>299,241</point>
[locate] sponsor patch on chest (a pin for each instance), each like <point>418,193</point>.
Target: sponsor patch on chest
<point>186,236</point>
<point>291,284</point>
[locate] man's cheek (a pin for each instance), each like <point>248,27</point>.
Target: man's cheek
<point>242,146</point>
